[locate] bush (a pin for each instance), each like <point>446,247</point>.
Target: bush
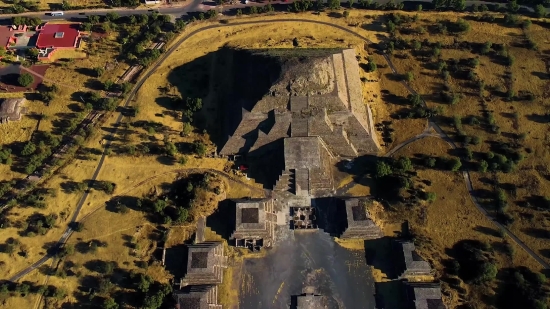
<point>25,79</point>
<point>540,11</point>
<point>429,196</point>
<point>199,148</point>
<point>475,265</point>
<point>430,162</point>
<point>483,165</point>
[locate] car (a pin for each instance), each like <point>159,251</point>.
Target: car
<point>82,13</point>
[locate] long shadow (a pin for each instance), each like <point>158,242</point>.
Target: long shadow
<point>380,254</point>
<point>487,231</point>
<point>176,261</point>
<point>389,294</point>
<point>223,220</point>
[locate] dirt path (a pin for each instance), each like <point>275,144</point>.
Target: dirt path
<point>47,79</point>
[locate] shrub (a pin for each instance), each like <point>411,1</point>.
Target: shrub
<point>25,79</point>
<point>483,165</point>
<point>409,77</point>
<point>182,160</point>
<point>429,196</point>
<point>540,11</point>
<point>430,162</point>
<point>199,148</point>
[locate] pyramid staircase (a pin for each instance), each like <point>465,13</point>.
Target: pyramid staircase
<point>286,182</point>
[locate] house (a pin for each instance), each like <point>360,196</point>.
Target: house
<point>410,264</point>
<point>52,37</point>
<point>58,36</point>
<point>197,297</point>
<point>423,296</point>
<point>359,223</point>
<point>17,37</point>
<point>12,109</point>
<point>254,223</point>
<point>204,264</point>
<point>47,38</point>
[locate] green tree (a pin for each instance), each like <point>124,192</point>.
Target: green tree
<point>99,71</point>
<point>409,77</point>
<point>459,5</point>
<point>187,128</point>
<point>200,148</point>
<point>180,24</point>
<point>112,16</point>
<point>108,85</point>
<point>419,7</point>
<point>346,14</point>
<point>94,19</point>
<point>483,166</point>
<point>334,4</point>
<point>454,164</point>
<point>109,303</point>
<point>144,283</point>
<point>86,27</point>
<point>28,149</point>
<point>159,206</point>
<point>404,164</point>
<point>383,169</point>
<point>182,160</point>
<point>170,148</point>
<point>512,6</point>
<point>25,79</point>
<point>540,11</point>
<point>487,272</point>
<point>181,215</point>
<point>438,3</point>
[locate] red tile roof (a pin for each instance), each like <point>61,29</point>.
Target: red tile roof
<point>46,37</point>
<point>5,35</point>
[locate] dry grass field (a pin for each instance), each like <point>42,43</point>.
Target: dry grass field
<point>453,217</point>
<point>518,124</point>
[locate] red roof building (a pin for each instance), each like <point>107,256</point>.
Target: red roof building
<point>58,36</point>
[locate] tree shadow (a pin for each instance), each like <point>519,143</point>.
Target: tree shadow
<point>87,71</point>
<point>487,231</point>
<point>94,84</point>
<point>541,75</point>
<point>537,232</point>
<point>166,160</point>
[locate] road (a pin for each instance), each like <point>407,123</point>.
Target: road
<point>199,5</point>
<point>165,55</point>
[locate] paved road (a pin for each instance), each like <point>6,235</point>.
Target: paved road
<point>203,5</point>
<point>142,80</point>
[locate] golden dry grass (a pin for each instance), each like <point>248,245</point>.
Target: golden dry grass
<point>530,177</point>
<point>453,211</point>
